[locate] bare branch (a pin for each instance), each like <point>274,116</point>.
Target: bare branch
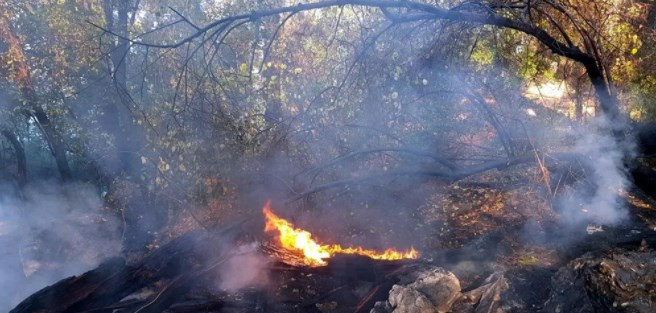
<point>184,18</point>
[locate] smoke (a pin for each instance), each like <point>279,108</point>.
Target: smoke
<point>246,268</point>
<point>48,233</point>
<point>596,198</point>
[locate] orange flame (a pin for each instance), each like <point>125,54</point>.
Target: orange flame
<point>314,254</point>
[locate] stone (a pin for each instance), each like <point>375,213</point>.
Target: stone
<point>435,290</point>
<point>431,290</point>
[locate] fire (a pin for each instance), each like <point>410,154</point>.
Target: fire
<point>315,254</point>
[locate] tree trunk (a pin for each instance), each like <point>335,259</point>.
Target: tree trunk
<point>54,140</point>
<point>141,212</point>
<point>19,152</point>
<point>118,117</point>
<point>607,101</point>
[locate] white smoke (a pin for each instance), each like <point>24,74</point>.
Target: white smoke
<point>247,267</point>
<point>597,198</point>
<point>51,232</point>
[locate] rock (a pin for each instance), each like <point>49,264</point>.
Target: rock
<point>409,300</point>
<point>432,290</point>
<point>382,307</point>
<point>617,281</point>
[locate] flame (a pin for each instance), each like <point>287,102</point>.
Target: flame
<point>315,254</point>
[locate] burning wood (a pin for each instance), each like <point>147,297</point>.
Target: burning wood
<point>300,241</point>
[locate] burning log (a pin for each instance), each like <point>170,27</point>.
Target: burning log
<point>345,269</point>
<point>314,254</point>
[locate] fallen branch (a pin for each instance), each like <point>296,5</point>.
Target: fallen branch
<point>448,176</point>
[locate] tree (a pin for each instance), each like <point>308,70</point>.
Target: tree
<point>20,73</point>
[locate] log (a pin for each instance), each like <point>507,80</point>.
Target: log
<point>65,293</point>
<point>178,261</point>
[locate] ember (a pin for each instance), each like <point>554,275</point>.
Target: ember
<point>315,254</point>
